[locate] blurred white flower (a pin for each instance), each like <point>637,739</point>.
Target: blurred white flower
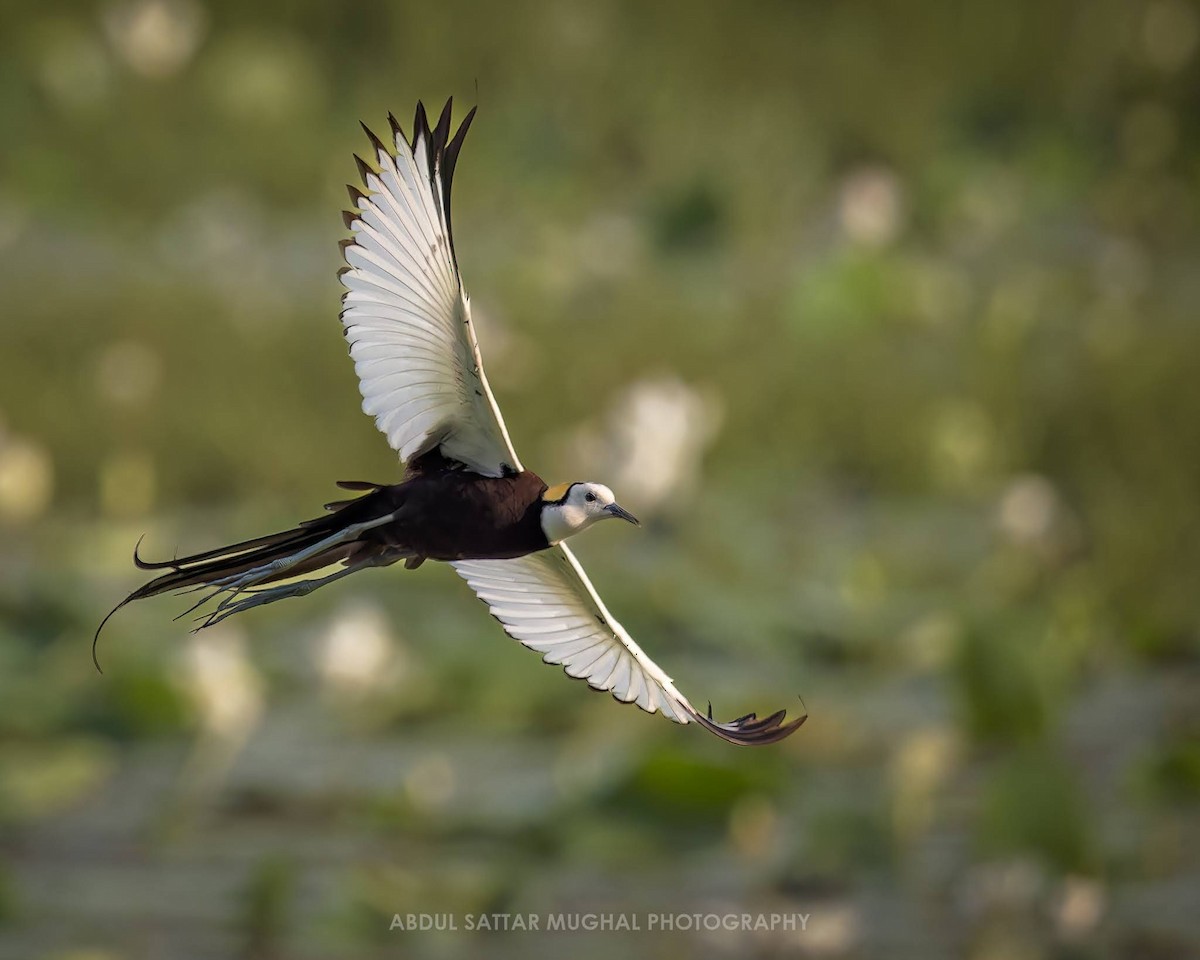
<point>156,38</point>
<point>26,478</point>
<point>651,442</point>
<point>835,929</point>
<point>871,206</point>
<point>226,691</point>
<point>358,653</point>
<point>223,685</point>
<point>1028,508</point>
<point>1079,907</point>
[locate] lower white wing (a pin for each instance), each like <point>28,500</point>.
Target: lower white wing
<point>546,601</point>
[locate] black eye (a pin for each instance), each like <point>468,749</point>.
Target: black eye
<point>590,498</point>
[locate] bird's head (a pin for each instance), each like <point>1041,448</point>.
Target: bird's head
<point>568,508</point>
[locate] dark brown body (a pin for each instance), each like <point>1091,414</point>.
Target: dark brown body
<point>454,514</point>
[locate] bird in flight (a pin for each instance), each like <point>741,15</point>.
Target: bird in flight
<point>465,498</point>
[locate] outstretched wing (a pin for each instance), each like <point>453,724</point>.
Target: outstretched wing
<point>405,313</point>
<point>546,601</point>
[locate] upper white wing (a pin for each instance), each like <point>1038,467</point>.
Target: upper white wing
<point>405,313</point>
<point>546,601</point>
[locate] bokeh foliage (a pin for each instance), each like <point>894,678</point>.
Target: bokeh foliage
<point>935,264</point>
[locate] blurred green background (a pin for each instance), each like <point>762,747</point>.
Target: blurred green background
<point>884,316</point>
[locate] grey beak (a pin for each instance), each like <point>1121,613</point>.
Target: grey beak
<point>619,511</point>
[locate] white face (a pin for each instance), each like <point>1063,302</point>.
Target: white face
<point>584,504</point>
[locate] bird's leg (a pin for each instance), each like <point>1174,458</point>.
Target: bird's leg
<point>263,595</point>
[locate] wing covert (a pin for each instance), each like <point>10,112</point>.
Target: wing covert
<point>405,313</point>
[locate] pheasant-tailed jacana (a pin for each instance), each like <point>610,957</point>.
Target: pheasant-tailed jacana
<point>465,497</point>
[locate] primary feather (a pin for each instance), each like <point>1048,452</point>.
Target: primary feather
<point>405,312</point>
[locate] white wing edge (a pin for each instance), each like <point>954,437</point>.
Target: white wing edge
<point>510,589</point>
<point>652,670</point>
<point>513,459</point>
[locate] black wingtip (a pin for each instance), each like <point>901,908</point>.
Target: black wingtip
<point>364,168</point>
<point>749,731</point>
<point>380,150</point>
<point>441,133</point>
<point>397,132</point>
<point>455,144</point>
<point>420,126</point>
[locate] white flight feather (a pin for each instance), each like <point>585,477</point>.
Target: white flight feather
<point>545,601</point>
<point>408,321</point>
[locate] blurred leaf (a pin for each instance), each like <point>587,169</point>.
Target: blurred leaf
<point>689,221</point>
<point>846,840</point>
<point>134,704</point>
<point>265,909</point>
<point>1032,805</point>
<point>682,791</point>
<point>998,687</point>
<point>1172,772</point>
<point>41,779</point>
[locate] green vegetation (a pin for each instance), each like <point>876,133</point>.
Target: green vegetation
<point>919,282</point>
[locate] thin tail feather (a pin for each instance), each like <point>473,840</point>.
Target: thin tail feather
<point>267,541</point>
<point>228,564</point>
<point>252,564</point>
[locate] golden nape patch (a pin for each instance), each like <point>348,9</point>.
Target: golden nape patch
<point>556,492</point>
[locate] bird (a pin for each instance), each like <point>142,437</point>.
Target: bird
<point>464,497</point>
